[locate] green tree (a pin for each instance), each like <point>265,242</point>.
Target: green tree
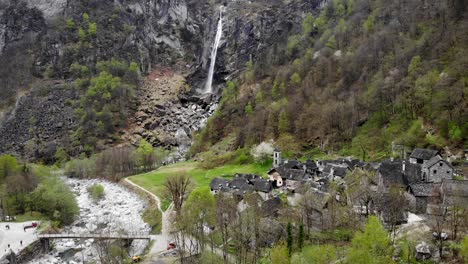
<point>54,199</point>
<point>145,153</point>
<point>198,211</point>
<point>296,79</point>
<point>369,24</point>
<point>290,239</point>
<point>300,237</point>
<point>323,254</point>
<point>464,249</point>
<point>70,25</point>
<point>8,166</point>
<point>321,22</point>
<point>331,42</point>
<point>283,122</point>
<point>279,255</point>
<point>293,44</point>
<point>455,133</point>
<point>86,19</point>
<point>96,191</point>
<point>92,30</point>
<point>248,109</point>
<point>370,246</point>
<point>259,98</point>
<point>414,66</point>
<point>81,34</point>
<point>308,25</point>
<point>275,90</point>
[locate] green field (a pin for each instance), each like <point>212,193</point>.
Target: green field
<point>153,181</point>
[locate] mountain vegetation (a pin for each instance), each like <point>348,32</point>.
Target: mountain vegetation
<point>26,188</point>
<point>356,77</point>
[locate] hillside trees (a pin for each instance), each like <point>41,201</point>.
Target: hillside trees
<point>355,80</point>
<point>107,101</point>
<point>370,246</point>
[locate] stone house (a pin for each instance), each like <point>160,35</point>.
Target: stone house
<point>390,175</point>
<point>332,171</point>
<point>264,188</point>
<point>422,156</point>
<point>437,169</point>
<point>274,175</point>
<point>424,195</point>
<point>219,185</point>
<point>454,193</point>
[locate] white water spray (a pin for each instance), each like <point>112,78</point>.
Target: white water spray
<point>214,51</point>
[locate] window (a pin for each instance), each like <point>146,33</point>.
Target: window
<point>440,164</point>
<point>448,172</point>
<point>434,171</point>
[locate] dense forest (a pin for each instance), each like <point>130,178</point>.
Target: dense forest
<point>356,77</point>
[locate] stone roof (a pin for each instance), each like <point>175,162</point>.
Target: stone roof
<point>217,183</point>
<point>337,170</point>
<point>293,175</point>
<point>425,154</point>
<point>292,164</point>
<point>424,189</point>
<point>391,174</point>
<point>310,165</point>
<point>436,159</point>
<point>251,178</point>
<point>455,192</point>
<point>381,201</point>
<point>261,185</point>
<point>413,172</point>
<point>272,206</point>
<point>239,183</point>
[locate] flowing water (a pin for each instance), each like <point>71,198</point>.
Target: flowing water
<point>214,51</point>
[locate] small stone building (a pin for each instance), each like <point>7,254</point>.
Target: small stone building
<point>422,156</point>
<point>424,193</point>
<point>437,169</point>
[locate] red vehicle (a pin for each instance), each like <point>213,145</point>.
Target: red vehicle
<point>32,225</point>
<point>171,246</point>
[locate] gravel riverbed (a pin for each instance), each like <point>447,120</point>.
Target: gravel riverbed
<point>119,211</point>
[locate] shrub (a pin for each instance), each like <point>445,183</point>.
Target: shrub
<point>96,191</point>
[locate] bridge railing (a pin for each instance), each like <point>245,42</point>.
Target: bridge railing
<point>101,236</point>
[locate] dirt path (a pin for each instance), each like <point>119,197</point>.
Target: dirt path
<point>160,241</point>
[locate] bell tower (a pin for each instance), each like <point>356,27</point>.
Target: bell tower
<point>276,158</point>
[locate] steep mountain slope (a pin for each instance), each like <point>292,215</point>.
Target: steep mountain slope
<point>357,76</point>
<point>96,52</point>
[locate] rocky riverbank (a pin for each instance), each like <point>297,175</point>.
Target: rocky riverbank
<point>118,212</point>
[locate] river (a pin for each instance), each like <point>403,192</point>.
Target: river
<point>119,211</point>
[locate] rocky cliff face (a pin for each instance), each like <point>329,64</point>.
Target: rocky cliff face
<point>37,44</point>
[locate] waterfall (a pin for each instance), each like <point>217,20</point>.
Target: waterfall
<point>214,51</point>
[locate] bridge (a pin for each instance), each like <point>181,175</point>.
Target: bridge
<point>45,238</point>
<point>95,236</point>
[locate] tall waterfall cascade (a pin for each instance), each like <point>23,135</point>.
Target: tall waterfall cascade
<point>214,51</point>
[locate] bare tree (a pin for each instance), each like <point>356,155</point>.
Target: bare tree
<point>177,187</point>
<point>225,212</point>
<point>395,209</point>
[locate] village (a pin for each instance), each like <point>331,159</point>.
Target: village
<point>424,187</point>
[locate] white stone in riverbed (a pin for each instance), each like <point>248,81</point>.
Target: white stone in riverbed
<point>120,209</point>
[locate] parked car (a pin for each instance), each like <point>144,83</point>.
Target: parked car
<point>171,246</point>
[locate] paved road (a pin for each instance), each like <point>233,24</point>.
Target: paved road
<point>14,235</point>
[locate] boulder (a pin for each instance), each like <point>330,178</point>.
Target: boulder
<point>423,252</point>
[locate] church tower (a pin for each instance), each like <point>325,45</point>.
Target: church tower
<point>276,158</point>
